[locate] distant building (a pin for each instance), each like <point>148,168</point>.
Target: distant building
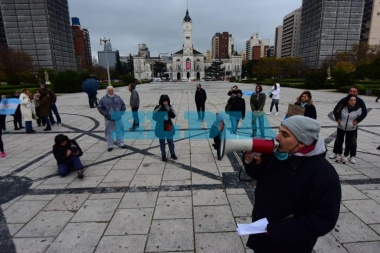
<point>256,47</point>
<point>278,41</point>
<point>222,45</point>
<point>111,57</point>
<point>290,33</point>
<point>270,51</point>
<point>370,30</point>
<point>327,28</point>
<point>82,46</point>
<point>143,51</point>
<point>40,28</point>
<point>208,56</point>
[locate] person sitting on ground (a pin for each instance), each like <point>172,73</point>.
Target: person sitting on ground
<point>67,153</point>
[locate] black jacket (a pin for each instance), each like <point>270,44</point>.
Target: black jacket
<point>300,197</point>
<point>60,152</point>
<point>159,114</point>
<point>238,107</point>
<point>200,96</point>
<point>310,110</point>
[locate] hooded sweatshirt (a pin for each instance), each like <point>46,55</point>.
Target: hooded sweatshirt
<point>163,116</point>
<point>134,100</point>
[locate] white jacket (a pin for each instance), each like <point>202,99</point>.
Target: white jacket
<point>276,93</point>
<point>26,107</point>
<point>347,123</point>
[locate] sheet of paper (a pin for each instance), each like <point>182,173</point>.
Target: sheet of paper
<point>256,227</point>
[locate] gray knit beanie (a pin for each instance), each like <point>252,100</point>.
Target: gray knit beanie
<point>305,129</point>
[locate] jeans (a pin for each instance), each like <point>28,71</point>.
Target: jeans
<point>260,125</point>
<point>201,111</point>
<point>53,108</point>
<point>135,114</point>
<point>73,162</point>
<point>234,124</point>
<point>171,146</point>
<point>28,126</point>
<point>45,120</point>
<point>117,127</point>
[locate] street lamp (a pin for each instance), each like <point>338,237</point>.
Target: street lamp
<point>105,42</point>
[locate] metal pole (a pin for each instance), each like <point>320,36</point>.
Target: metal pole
<point>105,41</point>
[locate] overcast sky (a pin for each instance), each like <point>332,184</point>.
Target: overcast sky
<point>158,23</point>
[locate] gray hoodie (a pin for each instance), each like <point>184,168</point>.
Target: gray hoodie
<point>134,100</point>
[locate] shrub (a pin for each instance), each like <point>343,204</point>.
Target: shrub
<point>67,81</point>
<point>344,73</point>
<point>128,78</point>
<point>315,79</point>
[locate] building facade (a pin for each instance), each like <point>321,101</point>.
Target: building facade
<point>256,47</point>
<point>40,28</point>
<point>278,42</point>
<point>327,28</point>
<point>290,33</point>
<point>82,45</point>
<point>111,55</point>
<point>370,31</point>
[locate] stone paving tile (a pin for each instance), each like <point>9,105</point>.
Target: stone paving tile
<point>213,219</point>
<point>96,210</point>
<point>23,211</point>
<point>171,235</point>
<point>87,182</point>
<point>209,197</point>
<point>329,243</point>
<point>350,229</point>
<point>130,221</point>
<point>146,180</point>
<point>218,242</point>
<point>349,193</point>
<point>367,210</point>
<point>46,224</point>
<point>38,197</point>
<point>139,200</point>
<point>51,186</point>
<point>173,208</point>
<point>122,244</point>
<point>83,237</point>
<point>240,205</point>
<point>115,195</point>
<point>115,176</point>
<point>200,179</point>
<point>28,245</point>
<point>373,194</point>
<point>12,228</point>
<point>205,166</point>
<point>68,202</point>
<point>151,169</point>
<point>367,247</point>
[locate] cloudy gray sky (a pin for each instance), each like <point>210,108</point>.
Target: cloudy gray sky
<point>158,23</point>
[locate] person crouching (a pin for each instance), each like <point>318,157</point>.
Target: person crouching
<point>67,153</point>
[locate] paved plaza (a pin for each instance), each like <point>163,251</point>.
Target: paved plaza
<point>131,201</point>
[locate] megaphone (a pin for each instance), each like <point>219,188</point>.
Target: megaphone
<point>231,142</point>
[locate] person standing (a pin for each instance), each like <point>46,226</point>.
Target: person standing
<point>237,110</point>
<point>53,106</point>
<point>360,103</point>
<point>349,111</point>
<point>27,110</point>
<point>233,90</point>
<point>2,152</point>
<point>200,101</point>
<point>378,96</point>
<point>257,102</point>
<point>305,100</point>
<point>134,103</point>
<point>91,86</point>
<point>163,114</point>
<point>112,107</point>
<point>44,108</point>
<point>17,117</point>
<point>297,190</point>
<point>66,153</point>
<point>3,117</point>
<point>275,95</point>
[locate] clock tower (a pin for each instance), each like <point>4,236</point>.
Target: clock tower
<point>187,35</point>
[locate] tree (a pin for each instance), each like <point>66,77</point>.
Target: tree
<point>343,73</point>
<point>215,70</point>
<point>67,81</point>
<point>267,67</point>
<point>159,69</point>
<point>13,63</point>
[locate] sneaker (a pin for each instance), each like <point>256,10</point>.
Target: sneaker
<point>164,158</point>
<point>21,127</point>
<point>2,154</point>
<point>47,129</point>
<point>16,128</point>
<point>110,149</point>
<point>174,157</point>
<point>80,174</point>
<point>378,148</point>
<point>5,131</point>
<point>332,156</point>
<point>31,132</point>
<point>352,159</point>
<point>338,158</point>
<point>276,113</point>
<point>344,160</point>
<point>269,113</point>
<point>124,147</point>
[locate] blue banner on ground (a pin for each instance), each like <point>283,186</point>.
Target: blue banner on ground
<point>9,105</point>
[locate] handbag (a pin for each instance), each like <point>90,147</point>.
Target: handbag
<point>168,126</point>
<point>271,95</point>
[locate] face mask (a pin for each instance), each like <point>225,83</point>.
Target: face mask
<point>281,156</point>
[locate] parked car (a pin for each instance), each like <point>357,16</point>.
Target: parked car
<point>185,80</point>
